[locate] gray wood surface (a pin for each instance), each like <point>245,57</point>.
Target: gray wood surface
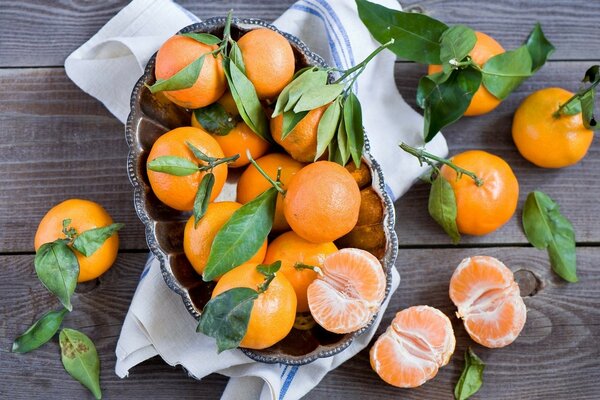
<point>57,142</point>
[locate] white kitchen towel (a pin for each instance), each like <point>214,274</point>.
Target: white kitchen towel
<point>107,67</point>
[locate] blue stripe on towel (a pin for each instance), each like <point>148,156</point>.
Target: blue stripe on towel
<point>147,266</point>
<point>288,382</point>
<point>283,372</point>
<point>331,13</point>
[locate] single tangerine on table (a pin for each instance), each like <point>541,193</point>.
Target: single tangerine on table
<point>240,139</point>
<point>197,240</point>
<point>485,48</point>
<point>548,140</point>
<point>322,202</point>
<point>84,215</point>
<point>177,53</point>
<point>482,209</point>
<point>179,192</point>
<point>488,300</point>
<point>252,183</point>
<point>291,249</point>
<point>418,342</point>
<point>274,311</point>
<point>269,61</point>
<point>348,292</point>
<point>301,142</point>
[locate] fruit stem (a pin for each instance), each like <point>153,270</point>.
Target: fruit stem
<point>557,114</point>
<point>265,285</point>
<point>425,157</point>
<point>361,66</point>
<point>300,266</point>
<point>275,183</point>
<point>213,163</point>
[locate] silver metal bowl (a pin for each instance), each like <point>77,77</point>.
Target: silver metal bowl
<point>151,116</point>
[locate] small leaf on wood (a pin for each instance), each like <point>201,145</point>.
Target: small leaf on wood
<point>327,127</point>
<point>203,196</point>
<point>181,80</point>
<point>546,228</point>
<point>290,120</point>
<point>505,71</point>
<point>442,207</point>
<point>173,165</point>
<point>40,332</point>
<point>215,119</point>
<point>57,268</point>
<point>471,377</point>
<point>354,127</point>
<point>205,38</point>
<point>80,359</point>
<point>226,317</point>
<point>539,47</point>
<point>89,241</point>
<point>242,235</point>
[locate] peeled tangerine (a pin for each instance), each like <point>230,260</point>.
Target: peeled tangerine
<point>348,293</point>
<point>419,341</point>
<point>488,300</point>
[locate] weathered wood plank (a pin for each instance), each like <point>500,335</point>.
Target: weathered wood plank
<point>570,24</point>
<point>556,356</point>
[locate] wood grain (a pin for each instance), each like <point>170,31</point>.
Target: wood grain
<point>555,357</point>
<point>42,33</point>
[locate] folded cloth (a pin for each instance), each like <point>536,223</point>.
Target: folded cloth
<point>107,67</point>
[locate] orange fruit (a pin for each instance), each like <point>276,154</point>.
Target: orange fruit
<point>239,139</point>
<point>177,53</point>
<point>274,311</point>
<point>349,292</point>
<point>301,142</point>
<point>488,300</point>
<point>482,209</point>
<point>269,61</point>
<point>410,352</point>
<point>84,215</point>
<point>198,240</point>
<point>290,249</point>
<point>485,48</point>
<point>252,183</point>
<point>322,202</point>
<point>545,140</point>
<point>179,192</point>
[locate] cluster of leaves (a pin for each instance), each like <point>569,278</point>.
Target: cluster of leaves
<point>471,377</point>
<point>180,166</point>
<point>584,100</point>
<point>226,316</point>
<point>57,268</point>
<point>445,96</point>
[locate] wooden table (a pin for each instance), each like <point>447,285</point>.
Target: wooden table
<point>57,142</point>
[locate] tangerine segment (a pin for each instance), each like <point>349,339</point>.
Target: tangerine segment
<point>418,342</point>
<point>488,300</point>
<point>349,291</point>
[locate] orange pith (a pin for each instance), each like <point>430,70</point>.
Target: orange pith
<point>349,292</point>
<point>488,300</point>
<point>301,142</point>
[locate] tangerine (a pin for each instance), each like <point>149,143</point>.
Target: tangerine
<point>301,142</point>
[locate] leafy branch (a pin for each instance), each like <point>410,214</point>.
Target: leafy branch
<point>584,100</point>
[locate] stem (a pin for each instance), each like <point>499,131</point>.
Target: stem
<point>227,28</point>
<point>265,285</point>
<point>577,95</point>
<point>364,63</point>
<point>427,158</point>
<point>218,161</point>
<point>276,184</point>
<point>300,266</point>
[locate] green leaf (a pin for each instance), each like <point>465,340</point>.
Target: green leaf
<point>417,36</point>
<point>354,127</point>
<point>505,71</point>
<point>587,110</point>
<point>471,377</point>
<point>181,80</point>
<point>203,196</point>
<point>328,127</point>
<point>246,100</point>
<point>546,228</point>
<point>290,120</point>
<point>284,96</point>
<point>455,44</point>
<point>269,269</point>
<point>89,241</point>
<point>199,154</point>
<point>236,57</point>
<point>592,74</point>
<point>226,317</point>
<point>173,165</point>
<point>80,359</point>
<point>445,102</point>
<point>57,268</point>
<point>442,207</point>
<point>40,332</point>
<point>311,79</point>
<point>215,119</point>
<point>333,149</point>
<point>539,47</point>
<point>205,38</point>
<point>574,107</point>
<point>318,96</point>
<point>242,235</point>
<point>342,155</point>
